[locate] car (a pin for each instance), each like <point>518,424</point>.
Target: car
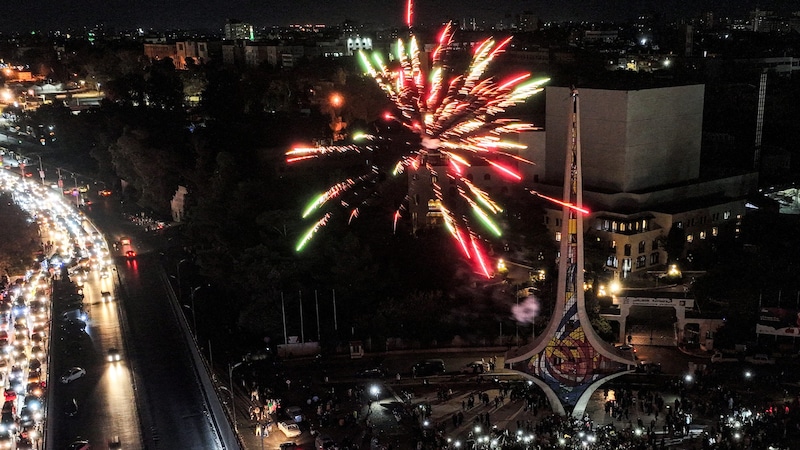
<point>79,444</point>
<point>106,297</point>
<point>287,446</point>
<point>37,352</point>
<point>130,254</point>
<point>429,367</point>
<point>324,442</point>
<point>295,413</point>
<point>34,365</point>
<point>113,355</point>
<point>29,417</point>
<point>759,359</point>
<point>8,422</point>
<point>648,368</point>
<point>6,440</point>
<point>476,367</point>
<point>719,357</point>
<point>372,372</point>
<point>104,193</point>
<point>289,429</point>
<point>73,374</point>
<point>35,389</point>
<point>24,443</point>
<point>71,408</point>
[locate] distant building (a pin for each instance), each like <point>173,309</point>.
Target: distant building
<point>235,30</point>
<point>179,52</point>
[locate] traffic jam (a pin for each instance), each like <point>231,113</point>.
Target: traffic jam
<point>27,318</point>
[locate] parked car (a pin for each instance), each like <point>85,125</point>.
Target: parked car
<point>429,367</point>
<point>295,413</point>
<point>372,372</point>
<point>324,442</point>
<point>720,357</point>
<point>476,367</point>
<point>290,429</point>
<point>760,359</point>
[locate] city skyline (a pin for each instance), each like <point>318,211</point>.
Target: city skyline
<point>211,14</point>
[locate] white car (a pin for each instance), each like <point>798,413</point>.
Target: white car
<point>720,357</point>
<point>73,374</point>
<point>760,359</point>
<point>290,429</point>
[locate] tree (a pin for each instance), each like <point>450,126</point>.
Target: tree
<point>21,241</point>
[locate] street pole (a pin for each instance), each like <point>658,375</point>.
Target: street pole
<point>76,192</point>
<point>316,303</point>
<point>41,169</point>
<point>194,313</point>
<point>233,395</point>
<point>302,330</point>
<point>178,269</point>
<point>283,313</point>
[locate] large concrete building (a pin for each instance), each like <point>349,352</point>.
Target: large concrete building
<point>641,167</point>
<point>641,174</point>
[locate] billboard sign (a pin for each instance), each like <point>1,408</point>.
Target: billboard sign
<point>778,322</point>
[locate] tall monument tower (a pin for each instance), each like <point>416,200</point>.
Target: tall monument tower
<point>569,361</point>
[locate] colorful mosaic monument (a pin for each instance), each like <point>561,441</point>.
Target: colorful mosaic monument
<point>569,361</point>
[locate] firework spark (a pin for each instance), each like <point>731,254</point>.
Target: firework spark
<point>456,119</point>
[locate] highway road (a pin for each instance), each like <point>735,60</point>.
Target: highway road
<point>105,396</point>
<point>152,396</point>
<point>174,410</point>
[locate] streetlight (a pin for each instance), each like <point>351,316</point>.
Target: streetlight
<point>41,169</point>
<point>233,394</point>
<point>194,314</point>
<point>178,269</point>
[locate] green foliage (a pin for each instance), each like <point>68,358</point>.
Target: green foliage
<point>20,241</point>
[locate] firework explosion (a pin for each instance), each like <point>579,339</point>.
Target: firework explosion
<point>457,120</point>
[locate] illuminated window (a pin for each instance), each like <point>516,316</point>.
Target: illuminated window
<point>715,231</point>
<point>689,238</point>
<point>641,261</point>
<point>558,236</point>
<point>702,235</point>
<point>726,215</point>
<point>622,227</point>
<point>434,179</point>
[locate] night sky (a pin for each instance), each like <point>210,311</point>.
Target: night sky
<point>211,14</point>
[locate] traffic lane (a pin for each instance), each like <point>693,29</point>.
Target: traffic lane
<point>173,411</point>
<point>115,389</point>
<point>105,394</point>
